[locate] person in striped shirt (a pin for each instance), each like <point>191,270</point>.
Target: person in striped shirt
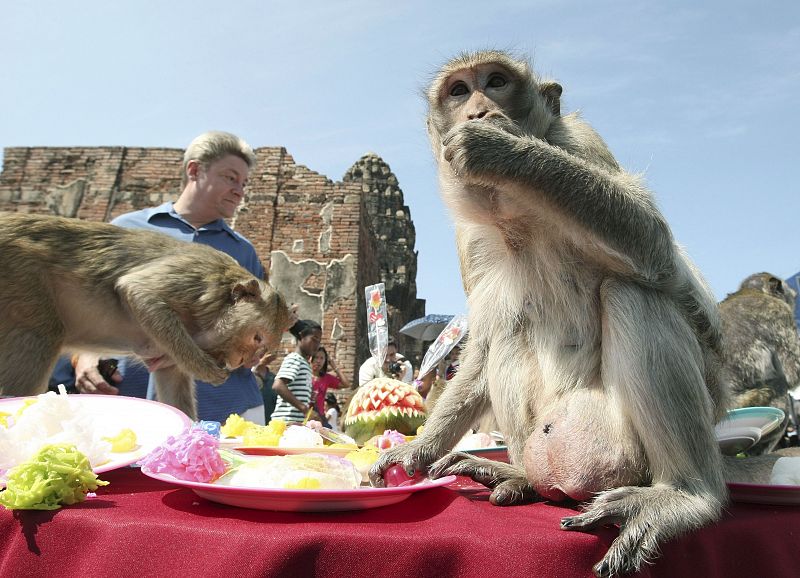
<point>293,380</point>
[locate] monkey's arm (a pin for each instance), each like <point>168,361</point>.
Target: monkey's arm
<point>158,319</point>
<point>616,211</point>
<point>175,388</point>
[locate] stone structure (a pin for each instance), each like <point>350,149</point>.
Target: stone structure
<point>321,241</point>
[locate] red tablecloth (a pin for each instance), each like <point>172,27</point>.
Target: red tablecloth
<point>141,527</point>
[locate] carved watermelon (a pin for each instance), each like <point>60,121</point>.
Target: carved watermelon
<point>384,403</point>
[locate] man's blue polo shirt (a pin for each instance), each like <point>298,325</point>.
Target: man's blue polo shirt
<point>240,392</point>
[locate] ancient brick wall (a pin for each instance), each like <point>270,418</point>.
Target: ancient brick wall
<point>316,237</point>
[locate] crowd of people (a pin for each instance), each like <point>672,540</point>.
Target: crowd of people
<point>216,167</point>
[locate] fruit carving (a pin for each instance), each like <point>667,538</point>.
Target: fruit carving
<point>384,404</point>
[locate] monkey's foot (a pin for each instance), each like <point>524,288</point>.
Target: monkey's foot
<point>508,482</point>
<point>647,516</point>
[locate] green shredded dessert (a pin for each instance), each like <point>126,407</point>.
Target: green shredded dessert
<point>58,474</point>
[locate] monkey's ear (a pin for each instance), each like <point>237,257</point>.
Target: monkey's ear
<point>551,91</point>
<point>776,286</point>
<point>247,289</point>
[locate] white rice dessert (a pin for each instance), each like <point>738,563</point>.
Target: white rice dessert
<point>296,472</point>
<point>299,436</point>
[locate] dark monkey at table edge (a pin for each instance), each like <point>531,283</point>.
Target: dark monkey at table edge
<point>187,310</point>
<point>592,337</point>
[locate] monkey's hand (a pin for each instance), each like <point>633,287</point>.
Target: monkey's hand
<point>647,517</point>
<point>414,456</point>
<point>508,482</point>
<point>476,149</point>
<point>211,372</point>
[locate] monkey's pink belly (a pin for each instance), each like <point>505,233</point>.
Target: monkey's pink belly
<point>582,448</point>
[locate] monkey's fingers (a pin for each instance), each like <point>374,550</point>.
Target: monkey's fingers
<point>508,481</point>
<point>407,455</point>
<point>514,491</point>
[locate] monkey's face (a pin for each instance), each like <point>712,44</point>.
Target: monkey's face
<point>480,92</point>
<point>249,327</point>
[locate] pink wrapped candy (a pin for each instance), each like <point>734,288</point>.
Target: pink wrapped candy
<point>191,455</point>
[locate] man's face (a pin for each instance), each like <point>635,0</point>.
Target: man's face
<point>391,354</point>
<point>220,186</point>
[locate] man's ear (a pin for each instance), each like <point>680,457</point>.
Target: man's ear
<point>192,168</point>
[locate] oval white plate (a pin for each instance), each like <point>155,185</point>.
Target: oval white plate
<point>302,500</point>
<point>152,421</point>
<point>767,419</point>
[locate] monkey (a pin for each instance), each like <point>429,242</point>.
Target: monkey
<point>761,348</point>
<point>593,337</point>
<point>185,310</point>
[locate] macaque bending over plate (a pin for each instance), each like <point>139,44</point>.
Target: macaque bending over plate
<point>185,309</point>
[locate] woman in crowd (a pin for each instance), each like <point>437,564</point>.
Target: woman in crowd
<point>322,381</point>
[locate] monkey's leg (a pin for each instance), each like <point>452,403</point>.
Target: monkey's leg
<point>508,482</point>
<point>31,333</point>
<point>461,404</point>
<point>161,324</point>
<point>176,388</point>
<point>653,363</point>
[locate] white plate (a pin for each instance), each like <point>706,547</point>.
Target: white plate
<point>302,500</point>
<point>151,421</point>
<point>233,442</point>
<point>735,440</point>
<point>767,419</point>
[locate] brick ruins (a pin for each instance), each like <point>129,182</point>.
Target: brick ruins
<point>321,241</point>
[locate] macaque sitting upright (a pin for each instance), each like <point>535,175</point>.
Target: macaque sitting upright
<point>185,309</point>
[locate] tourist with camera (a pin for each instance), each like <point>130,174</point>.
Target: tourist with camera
<point>395,366</point>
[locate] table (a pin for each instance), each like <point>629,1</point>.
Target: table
<point>142,527</point>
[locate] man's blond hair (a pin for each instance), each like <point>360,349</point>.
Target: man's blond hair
<point>214,145</point>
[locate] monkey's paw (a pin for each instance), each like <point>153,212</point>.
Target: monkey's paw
<point>413,456</point>
<point>477,150</point>
<point>647,517</point>
<point>508,482</point>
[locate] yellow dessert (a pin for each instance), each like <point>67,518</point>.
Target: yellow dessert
<point>124,441</point>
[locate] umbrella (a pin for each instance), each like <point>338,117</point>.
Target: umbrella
<point>426,328</point>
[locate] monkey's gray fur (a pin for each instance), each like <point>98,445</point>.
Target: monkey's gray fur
<point>592,336</point>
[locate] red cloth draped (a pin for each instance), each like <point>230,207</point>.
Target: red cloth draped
<point>143,527</point>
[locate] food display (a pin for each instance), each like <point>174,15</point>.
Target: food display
<point>362,459</point>
<point>58,474</point>
<point>49,418</point>
<point>298,436</point>
<point>295,472</point>
<point>310,461</point>
<point>384,404</point>
<point>191,455</point>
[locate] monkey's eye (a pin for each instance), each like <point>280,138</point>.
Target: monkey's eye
<point>258,338</point>
<point>497,81</point>
<point>458,89</point>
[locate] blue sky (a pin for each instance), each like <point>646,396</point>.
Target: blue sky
<point>699,97</point>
